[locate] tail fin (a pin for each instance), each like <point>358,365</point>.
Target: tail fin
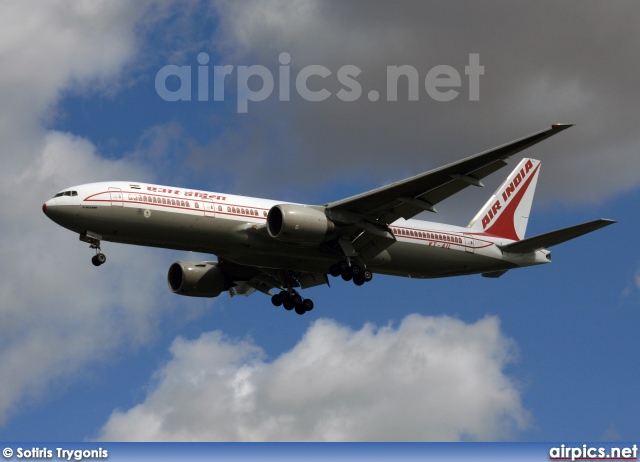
<point>506,213</point>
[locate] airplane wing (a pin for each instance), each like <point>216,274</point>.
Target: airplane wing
<point>542,241</point>
<point>407,198</point>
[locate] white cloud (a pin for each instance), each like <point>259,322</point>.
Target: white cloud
<point>428,379</point>
<point>58,311</point>
<point>57,314</point>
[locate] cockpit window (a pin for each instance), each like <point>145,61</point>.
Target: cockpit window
<point>67,193</point>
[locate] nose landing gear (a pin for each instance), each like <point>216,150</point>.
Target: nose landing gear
<point>93,240</point>
<point>98,259</point>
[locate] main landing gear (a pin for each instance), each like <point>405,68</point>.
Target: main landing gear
<point>291,300</point>
<point>350,271</point>
<point>94,242</point>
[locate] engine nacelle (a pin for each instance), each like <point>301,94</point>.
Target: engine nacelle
<point>196,279</point>
<point>298,223</point>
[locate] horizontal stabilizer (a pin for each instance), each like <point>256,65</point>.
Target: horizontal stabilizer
<point>541,241</point>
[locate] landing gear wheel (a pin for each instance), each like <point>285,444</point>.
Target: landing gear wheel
<point>334,270</point>
<point>308,304</point>
<point>355,270</point>
<point>300,309</point>
<point>347,276</point>
<point>368,275</point>
<point>277,300</point>
<point>343,266</point>
<point>359,279</point>
<point>98,259</point>
<point>288,306</point>
<point>284,295</point>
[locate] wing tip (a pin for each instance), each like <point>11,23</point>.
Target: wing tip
<point>607,221</point>
<point>560,127</point>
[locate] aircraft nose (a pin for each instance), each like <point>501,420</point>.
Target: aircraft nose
<point>46,207</point>
<point>56,211</point>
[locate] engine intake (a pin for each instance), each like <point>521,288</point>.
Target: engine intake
<point>196,279</point>
<point>298,223</point>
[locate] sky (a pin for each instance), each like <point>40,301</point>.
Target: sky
<point>110,354</point>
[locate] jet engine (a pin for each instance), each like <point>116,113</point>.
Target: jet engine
<point>196,279</point>
<point>299,224</point>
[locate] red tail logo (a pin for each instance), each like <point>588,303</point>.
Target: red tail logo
<point>504,208</point>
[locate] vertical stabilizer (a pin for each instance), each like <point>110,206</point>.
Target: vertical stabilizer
<point>506,213</point>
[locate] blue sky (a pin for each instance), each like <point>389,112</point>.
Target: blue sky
<point>546,353</point>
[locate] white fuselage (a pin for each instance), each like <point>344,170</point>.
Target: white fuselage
<point>234,228</point>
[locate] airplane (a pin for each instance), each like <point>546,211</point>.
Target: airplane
<point>277,247</point>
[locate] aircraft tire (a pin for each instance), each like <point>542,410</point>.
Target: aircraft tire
<point>347,276</point>
<point>98,259</point>
<point>359,279</point>
<point>308,304</point>
<point>368,275</point>
<point>288,306</point>
<point>276,300</point>
<point>284,295</point>
<point>334,270</point>
<point>300,309</point>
